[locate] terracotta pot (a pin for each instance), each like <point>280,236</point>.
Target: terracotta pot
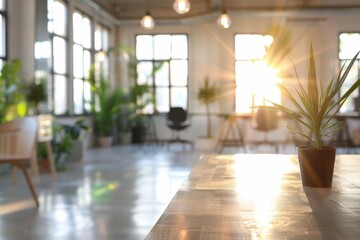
<point>316,166</point>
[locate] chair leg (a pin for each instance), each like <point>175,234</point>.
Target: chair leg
<point>28,181</point>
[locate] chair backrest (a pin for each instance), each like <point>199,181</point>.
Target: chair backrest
<point>266,118</point>
<point>18,137</point>
<point>177,115</point>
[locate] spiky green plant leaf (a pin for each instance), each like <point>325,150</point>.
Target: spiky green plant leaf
<point>316,109</point>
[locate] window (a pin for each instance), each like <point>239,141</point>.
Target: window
<point>101,42</point>
<point>255,80</point>
<point>57,22</point>
<point>170,81</point>
<point>68,89</point>
<point>81,62</point>
<point>349,45</point>
<point>2,33</point>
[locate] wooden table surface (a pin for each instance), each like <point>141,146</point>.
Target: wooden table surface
<point>260,196</point>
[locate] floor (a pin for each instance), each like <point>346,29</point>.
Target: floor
<point>114,193</point>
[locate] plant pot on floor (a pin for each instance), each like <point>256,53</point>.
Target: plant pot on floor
<point>316,166</point>
<point>105,141</point>
<point>77,152</point>
<point>138,134</point>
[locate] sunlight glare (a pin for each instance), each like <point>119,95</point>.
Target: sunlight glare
<point>258,183</point>
<point>255,79</point>
<point>257,82</point>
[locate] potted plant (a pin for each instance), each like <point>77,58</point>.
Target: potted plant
<point>76,132</point>
<point>104,106</point>
<point>35,93</point>
<point>62,144</point>
<point>139,98</point>
<point>315,110</point>
<point>207,94</point>
<point>123,124</point>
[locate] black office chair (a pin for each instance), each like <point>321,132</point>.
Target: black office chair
<point>266,120</point>
<point>177,120</point>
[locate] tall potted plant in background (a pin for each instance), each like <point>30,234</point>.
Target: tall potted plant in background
<point>207,94</point>
<point>140,97</point>
<point>104,106</point>
<point>35,94</point>
<point>315,109</point>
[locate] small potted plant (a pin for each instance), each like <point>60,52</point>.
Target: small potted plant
<point>76,132</point>
<point>315,110</point>
<point>207,94</point>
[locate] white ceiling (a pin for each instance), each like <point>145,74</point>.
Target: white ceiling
<point>162,9</point>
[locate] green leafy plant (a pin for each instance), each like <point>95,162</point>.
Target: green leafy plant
<point>12,102</point>
<point>207,94</point>
<point>105,103</point>
<point>138,99</point>
<point>36,94</point>
<point>63,141</point>
<point>74,130</point>
<point>316,108</point>
<point>62,144</point>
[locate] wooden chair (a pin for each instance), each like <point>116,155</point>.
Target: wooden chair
<point>17,147</point>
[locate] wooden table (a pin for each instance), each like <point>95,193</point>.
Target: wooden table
<point>260,196</point>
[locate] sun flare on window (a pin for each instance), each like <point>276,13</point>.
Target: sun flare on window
<point>255,79</point>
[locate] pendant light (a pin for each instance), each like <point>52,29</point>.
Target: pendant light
<point>224,20</point>
<point>181,6</point>
<point>147,22</point>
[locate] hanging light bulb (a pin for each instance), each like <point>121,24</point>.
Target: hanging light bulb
<point>181,6</point>
<point>147,21</point>
<point>224,20</point>
<point>100,56</point>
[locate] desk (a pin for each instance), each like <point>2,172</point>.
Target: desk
<point>231,133</point>
<point>260,196</point>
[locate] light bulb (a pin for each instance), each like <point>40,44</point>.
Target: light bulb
<point>181,6</point>
<point>224,20</point>
<point>100,56</point>
<point>147,21</point>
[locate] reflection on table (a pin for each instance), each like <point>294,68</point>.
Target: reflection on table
<point>260,196</point>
